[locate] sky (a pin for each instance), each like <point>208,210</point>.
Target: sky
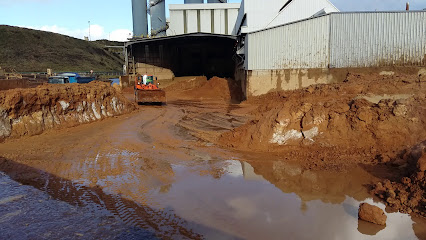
<point>113,19</point>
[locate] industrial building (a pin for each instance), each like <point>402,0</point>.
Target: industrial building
<point>218,18</point>
<point>157,10</point>
<point>198,41</point>
<point>256,15</point>
<point>322,49</point>
<point>281,45</point>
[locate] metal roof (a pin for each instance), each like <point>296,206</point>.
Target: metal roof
<point>188,35</point>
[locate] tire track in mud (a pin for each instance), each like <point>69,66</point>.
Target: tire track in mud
<point>78,193</point>
<point>80,175</point>
<point>166,225</point>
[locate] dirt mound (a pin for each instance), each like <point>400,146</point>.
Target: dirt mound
<point>181,84</point>
<point>199,88</point>
<point>408,194</point>
<point>217,88</point>
<point>31,111</point>
<point>361,118</point>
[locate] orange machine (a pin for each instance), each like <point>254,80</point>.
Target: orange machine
<point>147,90</point>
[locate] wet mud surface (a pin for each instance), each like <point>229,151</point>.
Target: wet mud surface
<point>175,172</point>
<point>156,173</point>
<point>29,213</point>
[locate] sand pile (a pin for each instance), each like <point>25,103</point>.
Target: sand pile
<point>408,194</point>
<point>199,88</point>
<point>362,117</point>
<point>181,84</point>
<point>217,88</point>
<point>32,111</point>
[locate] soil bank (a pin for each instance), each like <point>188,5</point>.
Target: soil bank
<point>28,112</point>
<point>367,119</point>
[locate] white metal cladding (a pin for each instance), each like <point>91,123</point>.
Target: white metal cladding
<point>303,44</point>
<point>192,18</point>
<point>377,39</point>
<point>258,12</point>
<point>339,40</point>
<point>301,9</point>
<point>206,25</point>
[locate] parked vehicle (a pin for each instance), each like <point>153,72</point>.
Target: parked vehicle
<point>58,80</point>
<point>69,77</point>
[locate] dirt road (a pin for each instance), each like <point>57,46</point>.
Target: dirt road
<point>150,172</point>
<point>157,173</point>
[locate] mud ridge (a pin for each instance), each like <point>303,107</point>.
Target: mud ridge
<point>370,117</point>
<point>407,194</point>
<point>28,112</point>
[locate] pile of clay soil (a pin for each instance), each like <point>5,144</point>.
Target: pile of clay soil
<point>200,88</point>
<point>181,84</point>
<point>367,118</point>
<point>407,194</point>
<point>27,112</point>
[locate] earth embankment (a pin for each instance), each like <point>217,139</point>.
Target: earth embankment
<point>27,112</point>
<point>366,119</point>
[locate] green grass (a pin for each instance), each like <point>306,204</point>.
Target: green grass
<point>27,50</point>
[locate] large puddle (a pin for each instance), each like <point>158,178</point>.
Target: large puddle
<point>217,199</point>
<point>146,174</point>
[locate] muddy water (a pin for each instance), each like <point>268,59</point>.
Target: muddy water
<point>147,171</point>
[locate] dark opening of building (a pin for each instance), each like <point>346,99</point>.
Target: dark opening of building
<point>184,55</point>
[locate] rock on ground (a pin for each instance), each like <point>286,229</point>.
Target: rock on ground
<point>371,214</point>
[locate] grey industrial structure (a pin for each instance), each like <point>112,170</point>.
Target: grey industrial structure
<point>217,18</point>
<point>279,44</point>
<point>140,18</point>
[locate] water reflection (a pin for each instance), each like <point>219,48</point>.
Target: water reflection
<point>242,199</point>
<point>275,201</point>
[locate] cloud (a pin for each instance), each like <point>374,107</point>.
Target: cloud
<point>120,35</point>
<point>96,32</point>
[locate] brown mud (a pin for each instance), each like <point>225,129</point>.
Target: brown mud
<point>168,169</point>
<point>199,88</point>
<point>367,119</point>
<point>407,193</point>
<point>28,112</point>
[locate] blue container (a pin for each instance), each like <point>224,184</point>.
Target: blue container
<point>85,79</point>
<point>58,80</point>
<point>72,77</point>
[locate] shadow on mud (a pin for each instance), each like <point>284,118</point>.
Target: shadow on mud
<point>140,219</point>
<point>152,104</point>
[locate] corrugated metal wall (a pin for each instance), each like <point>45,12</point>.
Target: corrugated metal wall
<point>377,39</point>
<point>206,18</point>
<point>299,45</point>
<point>339,40</point>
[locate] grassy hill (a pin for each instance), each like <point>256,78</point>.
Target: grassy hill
<point>28,50</point>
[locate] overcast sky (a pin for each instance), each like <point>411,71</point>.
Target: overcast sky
<point>112,19</point>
